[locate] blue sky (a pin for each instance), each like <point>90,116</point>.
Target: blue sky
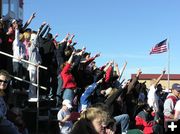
<point>122,30</point>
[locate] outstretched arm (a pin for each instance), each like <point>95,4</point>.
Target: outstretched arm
<point>138,73</point>
<point>71,57</point>
<point>108,65</point>
<point>65,38</point>
<point>116,69</point>
<point>55,36</point>
<point>40,28</point>
<point>29,21</point>
<point>122,70</point>
<point>97,55</point>
<point>70,40</point>
<point>159,78</point>
<point>134,80</point>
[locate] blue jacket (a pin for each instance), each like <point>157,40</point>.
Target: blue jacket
<point>85,101</point>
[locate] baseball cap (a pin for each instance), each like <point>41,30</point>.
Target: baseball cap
<point>176,87</point>
<point>67,103</point>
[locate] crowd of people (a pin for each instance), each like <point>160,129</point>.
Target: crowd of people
<point>92,99</point>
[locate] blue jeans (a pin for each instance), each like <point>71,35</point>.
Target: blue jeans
<point>123,120</point>
<point>68,94</point>
<point>17,71</point>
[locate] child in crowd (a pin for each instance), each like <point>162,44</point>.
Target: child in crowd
<point>63,117</point>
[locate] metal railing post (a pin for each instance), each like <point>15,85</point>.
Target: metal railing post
<point>37,118</point>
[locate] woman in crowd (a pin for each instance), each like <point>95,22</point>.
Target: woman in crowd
<point>69,83</point>
<point>92,121</point>
<point>6,126</point>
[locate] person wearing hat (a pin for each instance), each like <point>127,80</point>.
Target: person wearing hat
<point>63,116</point>
<point>170,102</point>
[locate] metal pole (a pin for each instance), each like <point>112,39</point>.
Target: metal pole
<point>37,118</point>
<point>168,64</point>
<point>34,84</point>
<point>9,55</point>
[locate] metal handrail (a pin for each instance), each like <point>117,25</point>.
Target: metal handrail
<point>17,78</point>
<point>34,84</point>
<point>9,55</point>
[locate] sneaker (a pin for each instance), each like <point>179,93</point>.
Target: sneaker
<point>51,99</point>
<point>33,100</point>
<point>48,98</point>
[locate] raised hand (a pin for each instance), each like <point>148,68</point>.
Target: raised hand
<point>56,36</point>
<point>164,71</point>
<point>33,15</point>
<point>97,55</point>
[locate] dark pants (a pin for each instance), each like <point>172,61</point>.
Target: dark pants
<point>59,90</point>
<point>17,71</point>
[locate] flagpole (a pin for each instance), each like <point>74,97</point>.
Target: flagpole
<point>168,64</point>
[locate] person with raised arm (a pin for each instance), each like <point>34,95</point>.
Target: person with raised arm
<point>152,96</point>
<point>19,51</point>
<point>85,99</point>
<point>60,58</point>
<point>35,58</point>
<point>28,21</point>
<point>69,83</point>
<point>69,48</point>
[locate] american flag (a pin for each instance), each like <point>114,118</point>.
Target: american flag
<point>161,47</point>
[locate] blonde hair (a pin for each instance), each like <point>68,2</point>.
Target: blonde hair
<point>93,113</point>
<point>27,35</point>
<point>111,92</point>
<point>21,37</point>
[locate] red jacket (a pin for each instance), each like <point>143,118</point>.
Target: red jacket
<point>108,74</point>
<point>143,123</point>
<point>68,78</point>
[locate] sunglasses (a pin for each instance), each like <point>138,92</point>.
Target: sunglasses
<point>4,81</point>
